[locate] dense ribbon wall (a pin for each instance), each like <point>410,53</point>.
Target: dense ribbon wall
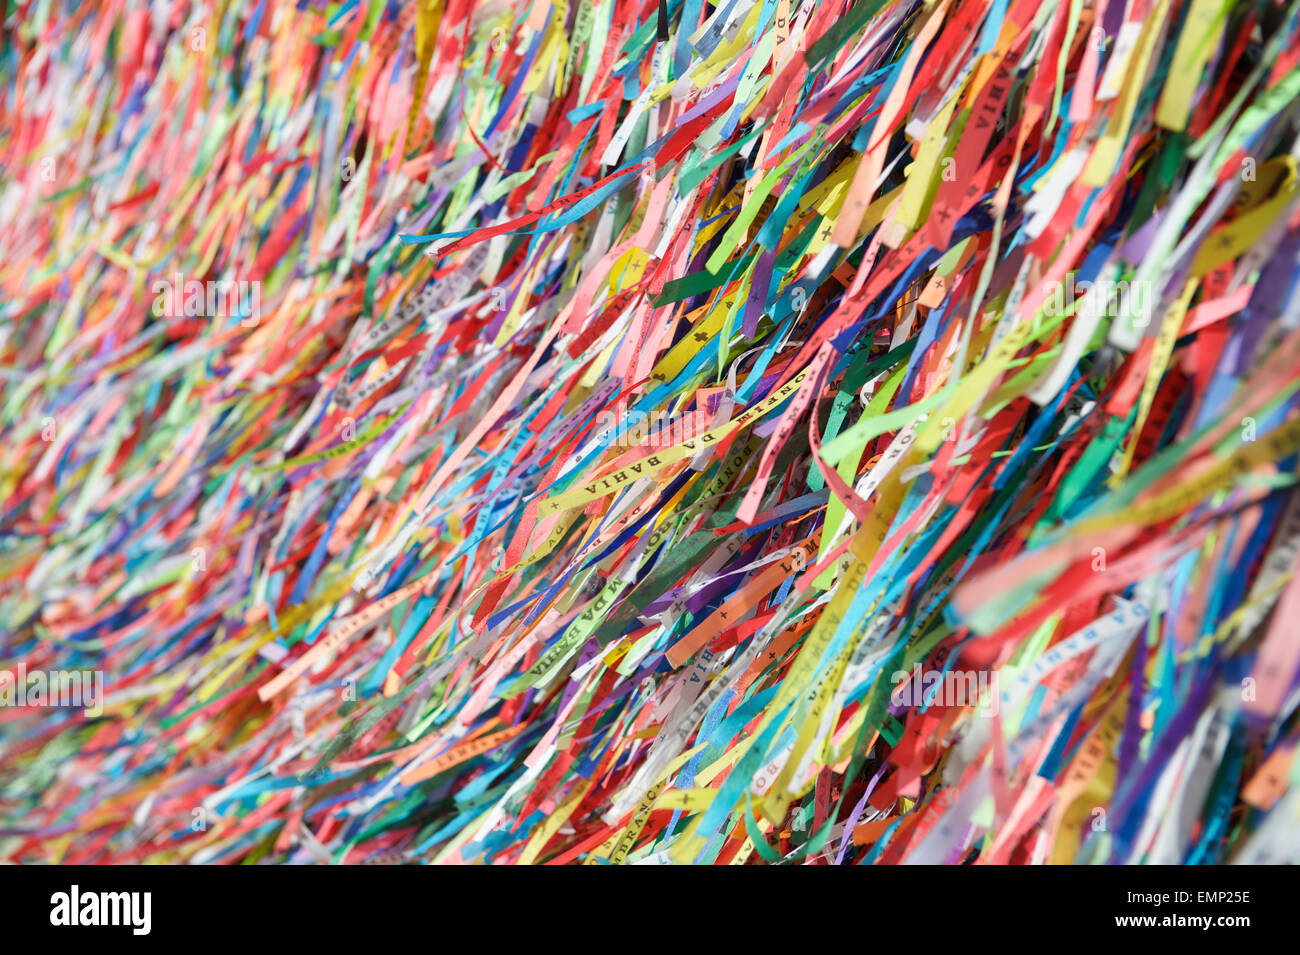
<point>778,431</point>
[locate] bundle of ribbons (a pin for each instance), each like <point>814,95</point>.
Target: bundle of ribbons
<point>649,431</point>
